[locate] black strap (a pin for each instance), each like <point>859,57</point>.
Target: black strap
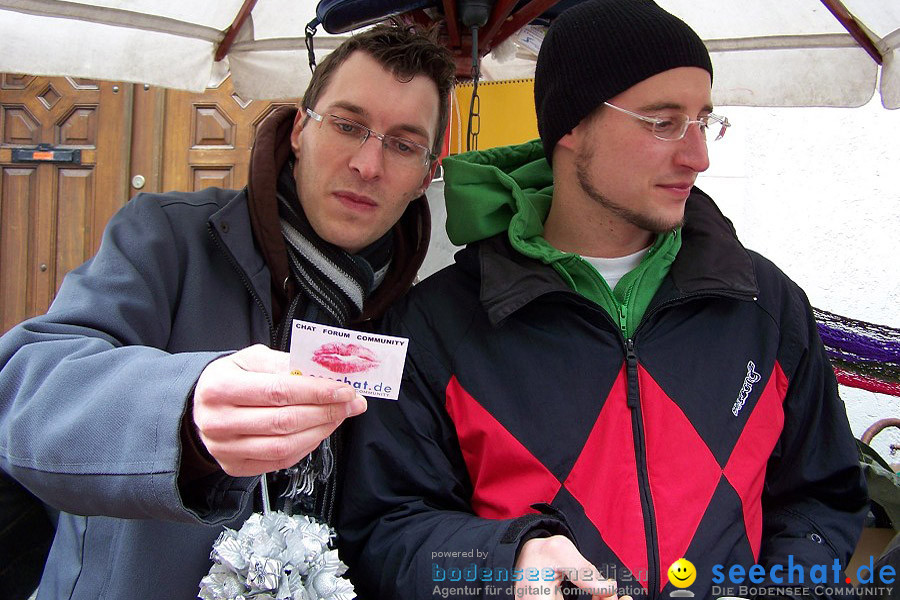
<point>310,32</point>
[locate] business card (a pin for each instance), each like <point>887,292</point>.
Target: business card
<point>371,363</point>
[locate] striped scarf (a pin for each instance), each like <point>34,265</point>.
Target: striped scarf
<point>333,284</point>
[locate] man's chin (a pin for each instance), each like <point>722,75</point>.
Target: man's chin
<point>657,223</point>
<point>664,227</point>
<point>343,239</point>
<point>669,218</point>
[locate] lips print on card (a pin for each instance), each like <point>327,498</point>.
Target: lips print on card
<point>371,363</point>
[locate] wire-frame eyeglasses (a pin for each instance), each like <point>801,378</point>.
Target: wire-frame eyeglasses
<point>399,151</point>
<point>674,127</point>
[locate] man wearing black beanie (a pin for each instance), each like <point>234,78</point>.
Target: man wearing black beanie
<point>606,385</point>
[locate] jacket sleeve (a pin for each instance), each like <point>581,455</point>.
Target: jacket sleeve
<point>90,400</point>
<point>406,526</point>
<point>815,498</point>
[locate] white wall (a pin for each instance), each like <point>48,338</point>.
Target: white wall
<point>816,190</point>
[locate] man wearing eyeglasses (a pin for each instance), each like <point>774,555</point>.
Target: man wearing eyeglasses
<point>156,390</point>
<point>606,381</point>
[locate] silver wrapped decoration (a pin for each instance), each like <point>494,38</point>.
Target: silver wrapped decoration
<point>276,556</point>
<point>264,574</point>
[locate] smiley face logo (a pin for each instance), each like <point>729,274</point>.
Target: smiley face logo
<point>682,573</point>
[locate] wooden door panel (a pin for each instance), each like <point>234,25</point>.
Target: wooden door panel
<point>211,177</point>
<point>20,127</point>
<point>53,213</point>
<point>78,127</point>
<point>214,150</point>
<point>18,193</point>
<point>74,220</point>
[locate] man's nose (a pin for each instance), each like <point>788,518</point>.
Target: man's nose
<point>692,150</point>
<point>368,159</point>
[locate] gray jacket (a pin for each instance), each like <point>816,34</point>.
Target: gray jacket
<point>92,395</point>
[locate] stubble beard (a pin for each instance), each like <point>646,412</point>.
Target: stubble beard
<point>646,222</point>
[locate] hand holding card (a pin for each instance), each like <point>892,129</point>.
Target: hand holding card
<point>253,416</point>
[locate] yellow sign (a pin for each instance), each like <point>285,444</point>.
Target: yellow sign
<point>506,114</point>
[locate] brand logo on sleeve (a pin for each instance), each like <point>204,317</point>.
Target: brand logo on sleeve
<point>751,378</point>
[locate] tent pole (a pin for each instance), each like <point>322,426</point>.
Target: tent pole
<point>234,29</point>
<point>853,27</point>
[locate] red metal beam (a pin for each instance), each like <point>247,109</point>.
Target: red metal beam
<point>846,18</point>
<point>452,27</point>
<point>521,18</point>
<point>234,29</point>
<point>501,10</point>
<point>463,66</point>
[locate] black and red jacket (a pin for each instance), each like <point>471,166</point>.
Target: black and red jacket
<point>715,433</point>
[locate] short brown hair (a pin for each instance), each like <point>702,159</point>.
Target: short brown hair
<point>403,51</point>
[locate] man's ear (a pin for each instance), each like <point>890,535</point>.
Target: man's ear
<point>568,144</point>
<point>568,140</point>
<point>429,175</point>
<point>299,119</point>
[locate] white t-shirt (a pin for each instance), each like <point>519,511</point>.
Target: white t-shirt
<point>614,269</point>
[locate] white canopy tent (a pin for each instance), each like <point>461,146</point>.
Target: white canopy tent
<point>765,52</point>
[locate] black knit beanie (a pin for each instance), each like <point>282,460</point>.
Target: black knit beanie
<point>600,48</point>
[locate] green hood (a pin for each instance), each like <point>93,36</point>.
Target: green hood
<point>510,189</point>
<point>491,191</point>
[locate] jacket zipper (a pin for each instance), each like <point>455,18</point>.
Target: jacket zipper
<point>623,311</point>
<point>623,320</point>
<point>640,453</point>
<point>245,280</point>
<point>634,403</point>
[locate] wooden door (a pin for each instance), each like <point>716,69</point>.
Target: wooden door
<point>51,213</point>
<point>133,138</point>
<point>211,147</point>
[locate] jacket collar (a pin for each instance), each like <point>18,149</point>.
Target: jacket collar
<point>711,260</point>
<point>711,257</point>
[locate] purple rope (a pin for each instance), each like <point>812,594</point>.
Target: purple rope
<point>858,345</point>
